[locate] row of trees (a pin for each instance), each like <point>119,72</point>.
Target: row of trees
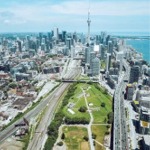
<point>69,120</point>
<point>58,119</point>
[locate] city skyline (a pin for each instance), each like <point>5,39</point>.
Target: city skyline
<point>113,16</point>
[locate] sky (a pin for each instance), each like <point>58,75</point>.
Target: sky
<point>71,15</point>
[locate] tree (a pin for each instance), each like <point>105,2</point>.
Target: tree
<point>93,136</point>
<point>63,136</point>
<point>105,91</point>
<point>60,143</point>
<point>12,85</point>
<point>82,109</point>
<point>85,138</point>
<point>110,117</point>
<point>103,104</point>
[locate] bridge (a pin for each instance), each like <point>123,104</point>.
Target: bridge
<point>79,81</point>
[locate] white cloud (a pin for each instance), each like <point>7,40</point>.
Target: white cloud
<point>6,21</point>
<point>70,12</point>
<point>42,12</point>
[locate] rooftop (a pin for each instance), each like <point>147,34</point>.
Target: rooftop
<point>144,124</point>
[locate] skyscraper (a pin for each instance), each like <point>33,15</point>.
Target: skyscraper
<point>134,74</point>
<point>56,33</point>
<point>87,55</point>
<point>95,66</point>
<point>108,62</point>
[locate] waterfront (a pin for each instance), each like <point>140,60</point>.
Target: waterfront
<point>142,46</point>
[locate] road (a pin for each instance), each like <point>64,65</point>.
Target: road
<point>34,112</point>
<point>41,131</point>
<point>120,129</point>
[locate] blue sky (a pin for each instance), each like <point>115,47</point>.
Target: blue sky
<point>71,15</point>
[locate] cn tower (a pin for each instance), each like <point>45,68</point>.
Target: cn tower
<point>89,22</point>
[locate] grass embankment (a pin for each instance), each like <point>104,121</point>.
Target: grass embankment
<point>74,138</point>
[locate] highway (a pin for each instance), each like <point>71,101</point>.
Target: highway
<point>41,131</point>
<point>34,112</point>
<point>120,138</point>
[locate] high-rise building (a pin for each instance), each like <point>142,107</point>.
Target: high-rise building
<point>56,33</point>
<point>108,62</point>
<point>134,74</point>
<point>95,66</point>
<point>19,46</point>
<point>40,37</point>
<point>92,56</point>
<point>64,36</point>
<point>87,55</point>
<point>102,51</point>
<point>110,47</point>
<point>130,91</point>
<point>68,43</point>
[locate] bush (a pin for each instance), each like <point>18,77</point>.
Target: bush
<point>63,136</point>
<point>60,143</point>
<point>105,91</point>
<point>93,136</point>
<point>107,132</point>
<point>85,138</point>
<point>12,85</point>
<point>69,120</point>
<point>82,109</point>
<point>103,104</point>
<point>110,117</point>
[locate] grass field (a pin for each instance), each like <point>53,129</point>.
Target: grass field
<point>97,97</point>
<point>99,131</point>
<point>74,138</point>
<point>78,101</point>
<point>94,96</point>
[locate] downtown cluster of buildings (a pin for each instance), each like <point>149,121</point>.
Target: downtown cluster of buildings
<point>27,63</point>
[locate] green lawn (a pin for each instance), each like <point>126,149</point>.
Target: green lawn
<point>74,138</point>
<point>94,96</point>
<point>99,131</point>
<point>97,97</point>
<point>79,101</point>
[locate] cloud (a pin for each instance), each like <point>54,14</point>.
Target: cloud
<point>6,21</point>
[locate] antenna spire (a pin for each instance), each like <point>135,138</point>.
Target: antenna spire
<point>89,22</point>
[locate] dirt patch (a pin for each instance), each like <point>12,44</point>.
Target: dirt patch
<point>85,146</point>
<point>75,133</point>
<point>11,144</point>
